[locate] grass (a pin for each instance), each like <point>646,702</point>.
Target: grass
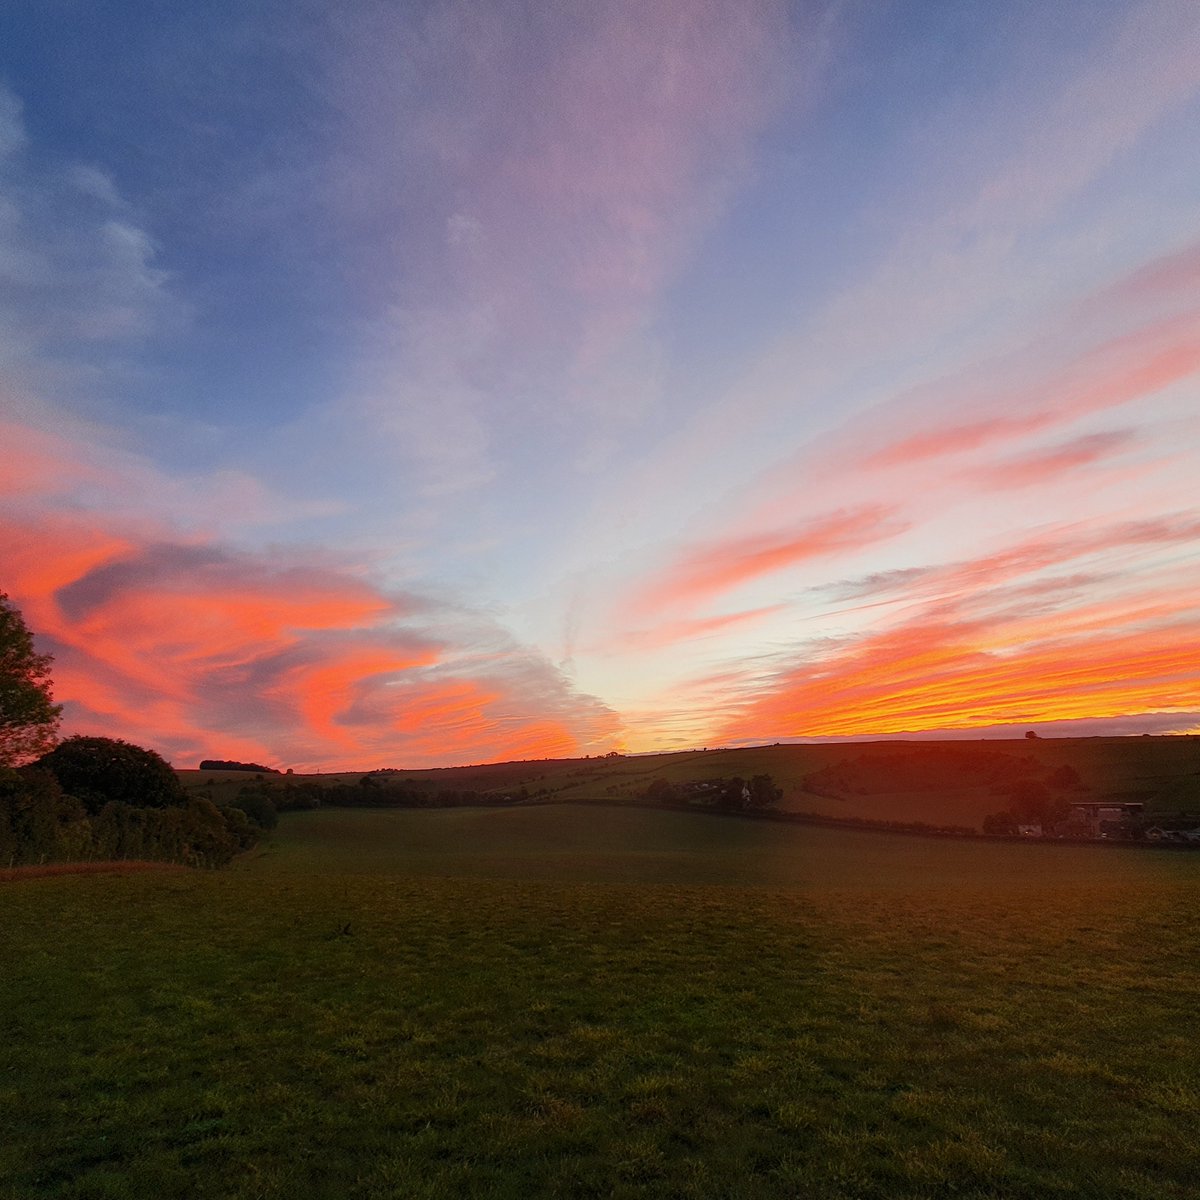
<point>1162,772</point>
<point>603,1002</point>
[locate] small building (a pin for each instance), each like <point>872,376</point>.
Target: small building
<point>1100,817</point>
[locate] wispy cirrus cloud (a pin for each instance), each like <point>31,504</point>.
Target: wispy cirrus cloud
<point>1016,635</point>
<point>79,266</point>
<point>928,675</point>
<point>1041,465</point>
<point>691,629</point>
<point>561,164</point>
<point>1127,367</point>
<point>707,571</point>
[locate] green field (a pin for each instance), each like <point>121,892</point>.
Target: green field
<point>573,1001</point>
<point>1161,772</point>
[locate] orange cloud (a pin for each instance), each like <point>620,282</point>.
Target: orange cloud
<point>956,439</point>
<point>960,677</point>
<point>198,651</point>
<point>995,642</point>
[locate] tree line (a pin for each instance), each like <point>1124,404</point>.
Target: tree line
<point>730,795</point>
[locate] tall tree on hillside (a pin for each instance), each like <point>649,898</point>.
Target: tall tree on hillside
<point>28,714</point>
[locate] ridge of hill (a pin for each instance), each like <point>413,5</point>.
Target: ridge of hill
<point>938,782</point>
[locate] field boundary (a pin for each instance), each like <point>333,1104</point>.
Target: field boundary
<point>858,824</point>
<point>100,867</point>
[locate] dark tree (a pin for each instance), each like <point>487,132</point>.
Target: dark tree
<point>1000,823</point>
<point>661,791</point>
<point>763,791</point>
<point>97,769</point>
<point>256,804</point>
<point>1032,802</point>
<point>28,715</point>
<point>1065,778</point>
<point>227,764</point>
<point>734,793</point>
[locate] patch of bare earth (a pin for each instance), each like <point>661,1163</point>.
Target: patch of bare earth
<point>40,871</point>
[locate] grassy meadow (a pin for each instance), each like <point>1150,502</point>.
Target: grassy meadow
<point>576,1001</point>
<point>1162,772</point>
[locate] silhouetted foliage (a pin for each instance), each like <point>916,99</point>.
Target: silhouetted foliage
<point>38,822</point>
<point>734,794</point>
<point>28,715</point>
<point>255,803</point>
<point>763,792</point>
<point>97,769</point>
<point>661,791</point>
<point>196,833</point>
<point>297,797</point>
<point>225,764</point>
<point>1000,823</point>
<point>1065,778</point>
<point>1032,804</point>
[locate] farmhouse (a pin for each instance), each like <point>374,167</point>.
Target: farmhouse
<point>1095,818</point>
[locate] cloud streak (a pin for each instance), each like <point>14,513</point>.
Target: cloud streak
<point>288,656</point>
<point>711,570</point>
<point>1006,638</point>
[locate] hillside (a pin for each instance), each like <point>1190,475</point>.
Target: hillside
<point>949,782</point>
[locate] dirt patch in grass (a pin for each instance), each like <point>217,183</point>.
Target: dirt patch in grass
<point>133,867</point>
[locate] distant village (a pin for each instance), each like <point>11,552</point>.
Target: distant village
<point>1106,820</point>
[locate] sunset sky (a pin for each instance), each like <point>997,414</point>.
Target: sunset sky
<point>390,384</point>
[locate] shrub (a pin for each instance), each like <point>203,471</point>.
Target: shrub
<point>37,820</point>
<point>257,806</point>
<point>98,770</point>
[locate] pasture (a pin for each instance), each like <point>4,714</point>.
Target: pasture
<point>575,1001</point>
<point>957,784</point>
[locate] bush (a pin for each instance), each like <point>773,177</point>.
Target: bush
<point>99,770</point>
<point>257,806</point>
<point>197,833</point>
<point>104,798</point>
<point>240,826</point>
<point>37,821</point>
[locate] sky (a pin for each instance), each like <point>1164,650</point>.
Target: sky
<point>414,384</point>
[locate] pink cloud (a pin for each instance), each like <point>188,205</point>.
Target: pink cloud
<point>686,630</point>
<point>1173,275</point>
<point>1118,370</point>
<point>1054,461</point>
<point>569,157</point>
<point>723,565</point>
<point>929,675</point>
